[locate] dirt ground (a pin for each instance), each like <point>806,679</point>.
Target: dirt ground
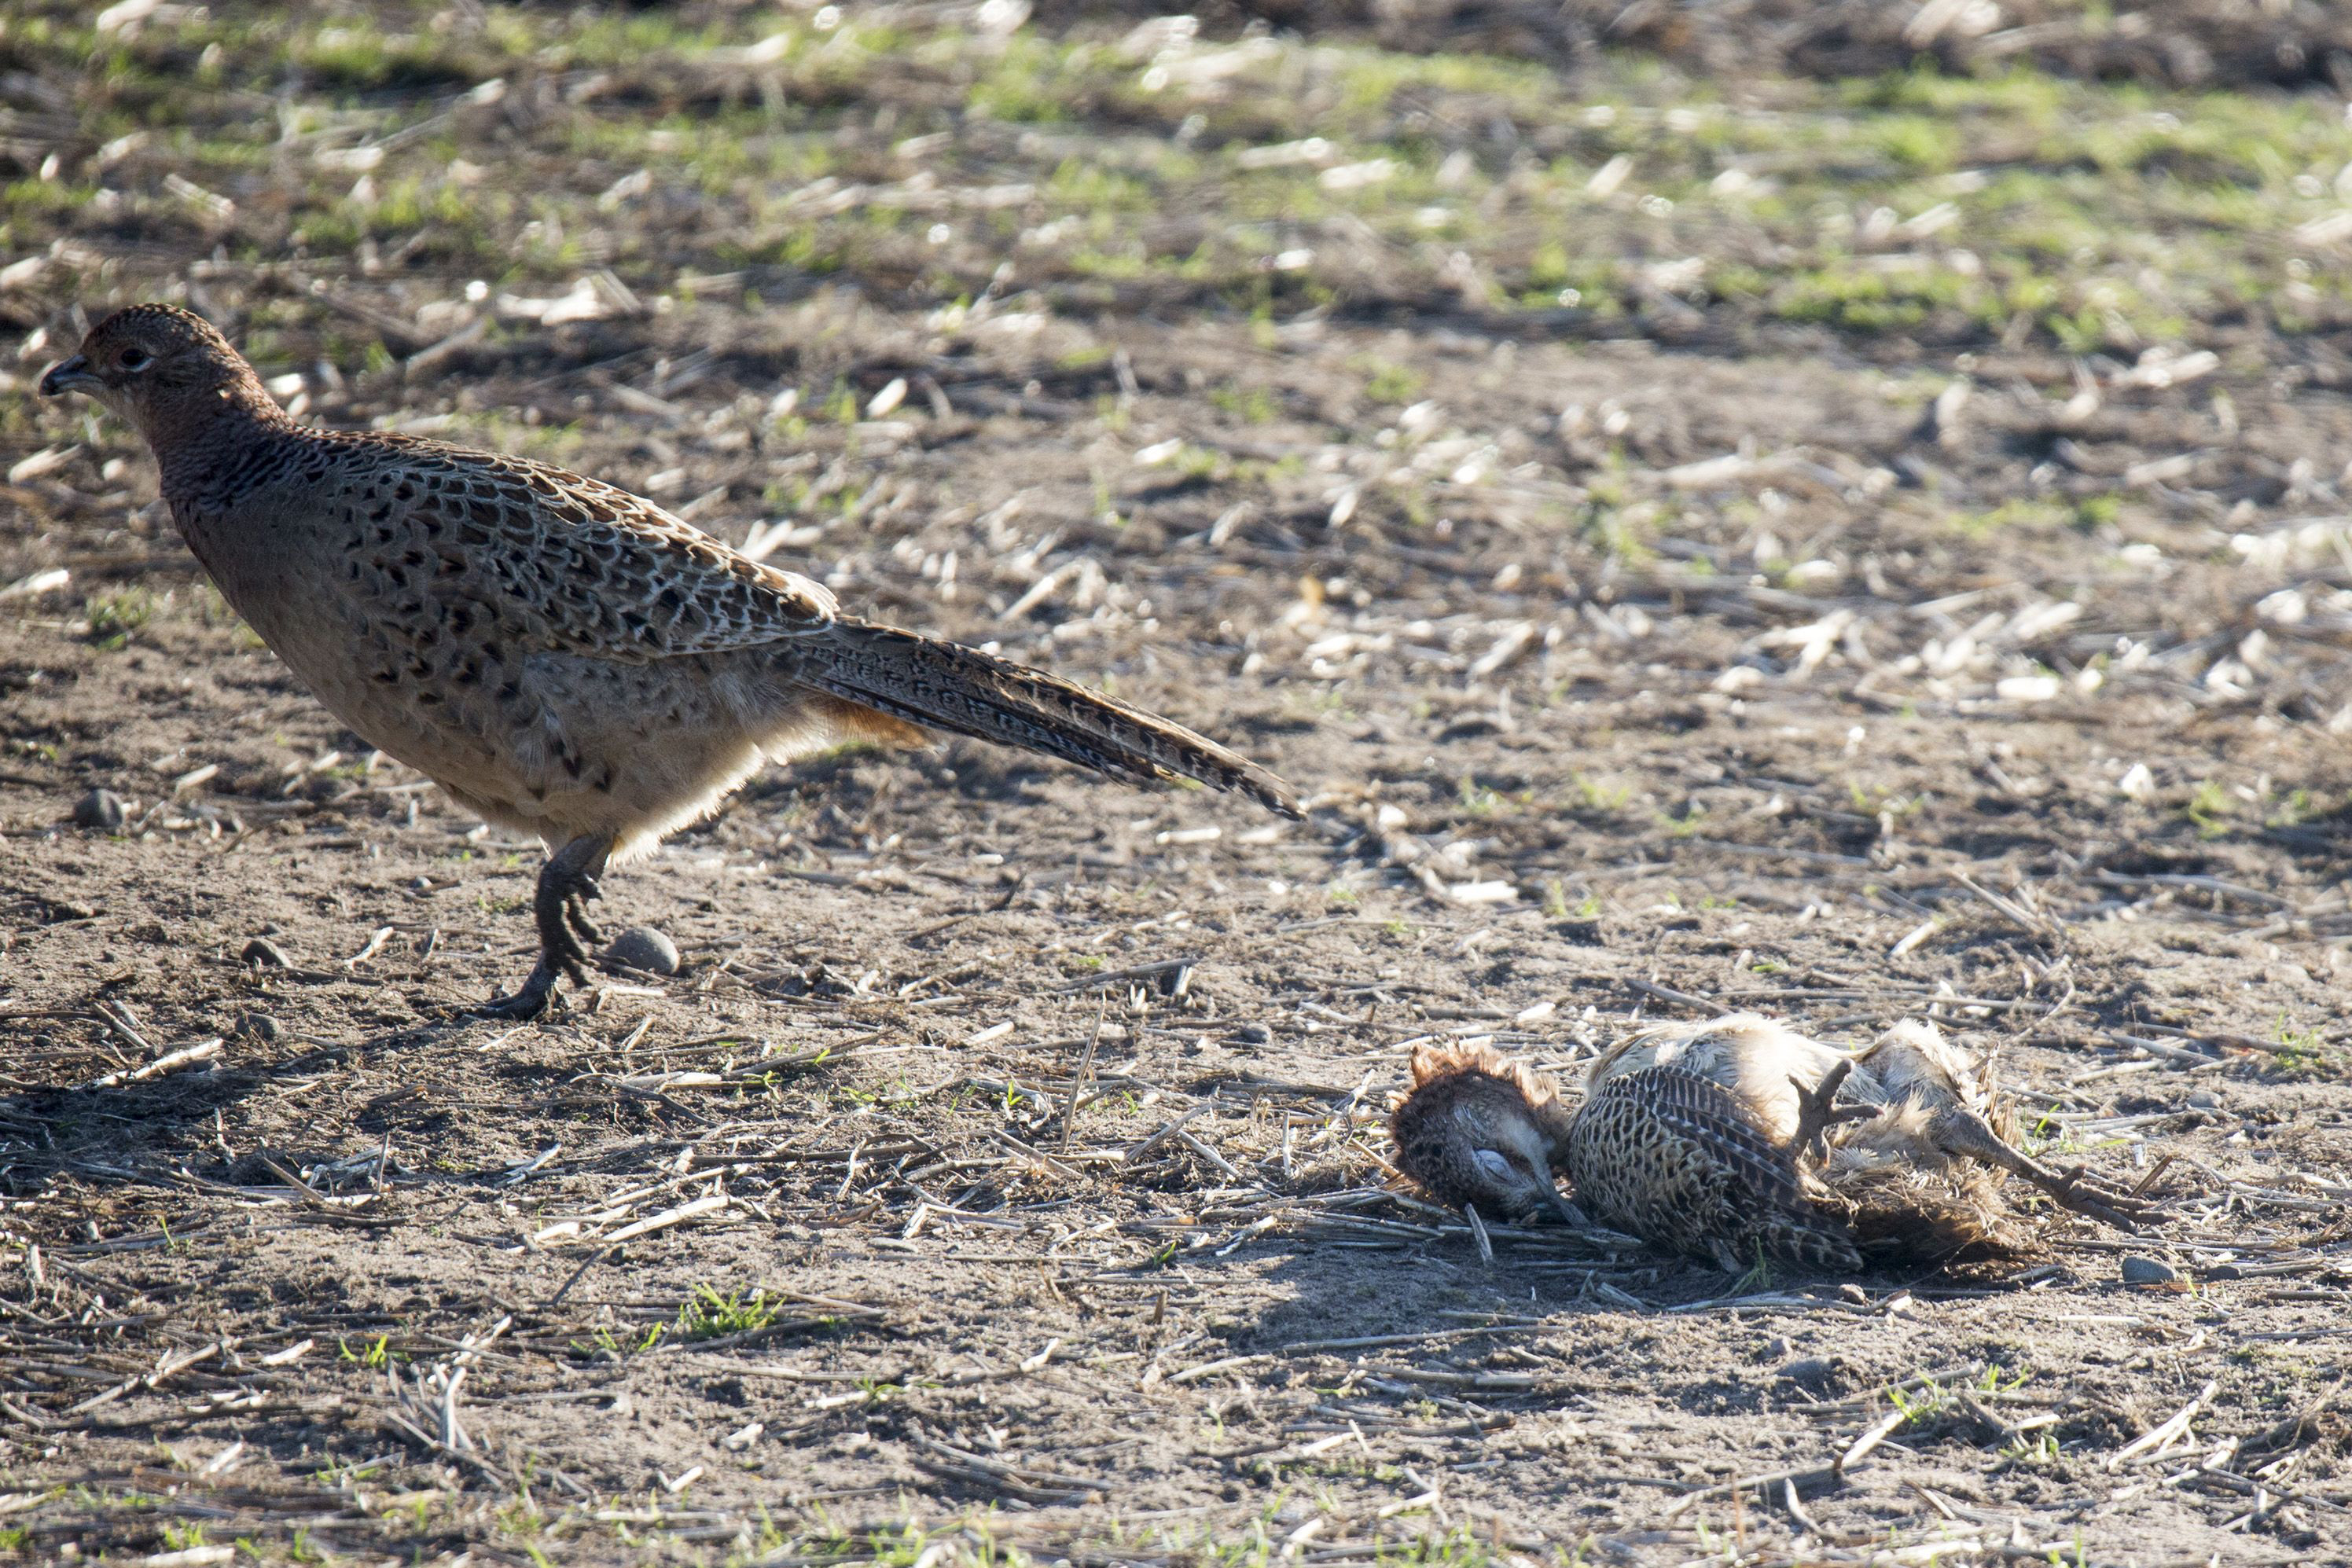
<point>1001,1177</point>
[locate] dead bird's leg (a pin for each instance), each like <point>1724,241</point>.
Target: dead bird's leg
<point>1817,1113</point>
<point>1964,1133</point>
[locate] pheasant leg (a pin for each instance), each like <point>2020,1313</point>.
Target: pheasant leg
<point>566,885</point>
<point>2078,1190</point>
<point>1966,1134</point>
<point>1817,1112</point>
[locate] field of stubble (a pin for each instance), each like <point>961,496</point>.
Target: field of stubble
<point>1835,509</point>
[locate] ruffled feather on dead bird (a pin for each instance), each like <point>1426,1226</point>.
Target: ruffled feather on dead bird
<point>1740,1141</point>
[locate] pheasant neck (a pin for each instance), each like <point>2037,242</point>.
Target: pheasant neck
<point>208,451</point>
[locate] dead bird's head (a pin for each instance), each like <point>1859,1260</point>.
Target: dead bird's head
<point>1476,1129</point>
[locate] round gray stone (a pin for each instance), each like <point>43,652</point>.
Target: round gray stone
<point>2148,1271</point>
<point>643,947</point>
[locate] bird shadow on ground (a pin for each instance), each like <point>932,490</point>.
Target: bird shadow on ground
<point>1547,1272</point>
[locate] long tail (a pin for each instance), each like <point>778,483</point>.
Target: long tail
<point>946,685</point>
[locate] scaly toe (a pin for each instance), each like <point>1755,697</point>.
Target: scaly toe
<point>586,929</point>
<point>525,1004</point>
<point>567,956</point>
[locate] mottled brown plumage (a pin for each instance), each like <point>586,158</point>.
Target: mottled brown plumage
<point>1907,1203</point>
<point>564,658</point>
<point>1767,1064</point>
<point>1939,1098</point>
<point>1665,1154</point>
<point>1909,1171</point>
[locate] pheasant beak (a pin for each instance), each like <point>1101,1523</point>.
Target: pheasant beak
<point>69,375</point>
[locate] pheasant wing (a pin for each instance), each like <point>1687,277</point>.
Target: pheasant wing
<point>555,562</point>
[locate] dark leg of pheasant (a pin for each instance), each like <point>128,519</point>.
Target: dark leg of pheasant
<point>1965,1133</point>
<point>1817,1111</point>
<point>566,885</point>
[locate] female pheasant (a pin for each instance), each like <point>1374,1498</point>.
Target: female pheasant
<point>1724,1142</point>
<point>563,658</point>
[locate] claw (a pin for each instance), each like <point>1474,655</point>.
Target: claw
<point>572,956</point>
<point>566,884</point>
<point>525,1004</point>
<point>2078,1191</point>
<point>576,898</point>
<point>1817,1113</point>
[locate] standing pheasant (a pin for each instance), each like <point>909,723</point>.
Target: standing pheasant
<point>563,658</point>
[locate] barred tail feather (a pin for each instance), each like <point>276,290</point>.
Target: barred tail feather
<point>1809,1243</point>
<point>945,685</point>
<point>1903,1216</point>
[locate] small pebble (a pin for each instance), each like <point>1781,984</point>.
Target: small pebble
<point>100,808</point>
<point>261,950</point>
<point>1252,1034</point>
<point>643,947</point>
<point>2149,1271</point>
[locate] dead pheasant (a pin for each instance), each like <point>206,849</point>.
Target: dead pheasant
<point>1870,1174</point>
<point>1724,1140</point>
<point>1662,1154</point>
<point>1921,1104</point>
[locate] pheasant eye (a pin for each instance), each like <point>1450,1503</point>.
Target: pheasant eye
<point>134,359</point>
<point>1496,1166</point>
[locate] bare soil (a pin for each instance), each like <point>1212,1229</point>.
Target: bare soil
<point>1003,1172</point>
